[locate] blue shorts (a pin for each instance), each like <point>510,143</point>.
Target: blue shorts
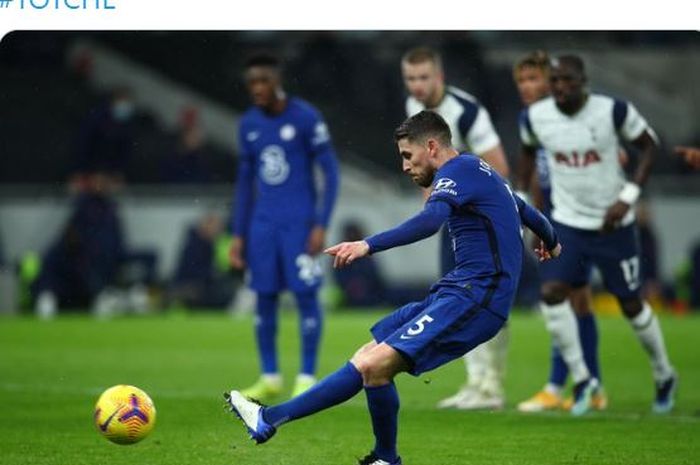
<point>441,328</point>
<point>277,258</point>
<point>615,254</point>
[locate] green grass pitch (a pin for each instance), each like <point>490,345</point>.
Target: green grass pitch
<point>51,374</point>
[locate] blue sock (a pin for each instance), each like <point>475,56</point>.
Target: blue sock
<point>383,403</point>
<point>266,331</point>
<point>311,325</point>
<point>588,332</point>
<point>559,370</point>
<point>331,390</point>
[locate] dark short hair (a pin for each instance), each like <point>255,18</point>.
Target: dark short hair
<point>267,60</point>
<point>573,61</point>
<point>423,125</point>
<point>421,55</point>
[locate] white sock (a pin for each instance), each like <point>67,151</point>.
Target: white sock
<point>476,362</point>
<point>648,331</point>
<point>496,352</point>
<point>562,326</point>
<point>305,377</point>
<point>273,378</point>
<point>553,389</point>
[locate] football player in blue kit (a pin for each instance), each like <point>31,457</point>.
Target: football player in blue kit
<point>465,308</point>
<point>473,132</point>
<point>279,220</point>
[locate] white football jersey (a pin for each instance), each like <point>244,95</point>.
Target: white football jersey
<point>585,173</point>
<point>469,122</point>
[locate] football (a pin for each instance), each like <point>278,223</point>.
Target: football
<point>124,414</point>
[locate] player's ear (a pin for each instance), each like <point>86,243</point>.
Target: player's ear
<point>432,145</point>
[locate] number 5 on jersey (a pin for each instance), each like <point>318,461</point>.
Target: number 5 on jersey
<point>418,327</point>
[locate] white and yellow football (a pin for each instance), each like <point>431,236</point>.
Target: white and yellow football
<point>124,414</point>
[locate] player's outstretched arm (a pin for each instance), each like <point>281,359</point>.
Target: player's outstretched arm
<point>423,225</point>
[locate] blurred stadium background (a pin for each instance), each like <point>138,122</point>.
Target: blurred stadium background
<point>188,93</point>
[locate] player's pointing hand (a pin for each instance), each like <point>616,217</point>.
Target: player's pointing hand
<point>347,252</point>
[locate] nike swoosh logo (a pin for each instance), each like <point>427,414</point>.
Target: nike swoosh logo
<point>403,336</point>
<point>104,425</point>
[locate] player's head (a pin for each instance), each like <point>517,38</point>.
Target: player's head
<point>263,78</point>
<point>567,80</point>
<point>423,75</point>
<point>531,76</point>
<point>420,139</point>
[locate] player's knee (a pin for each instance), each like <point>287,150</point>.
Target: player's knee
<point>631,307</point>
<point>362,350</point>
<point>554,293</point>
<point>373,370</point>
<point>367,368</point>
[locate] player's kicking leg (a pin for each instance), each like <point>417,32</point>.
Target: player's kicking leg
<point>373,367</point>
<point>262,422</point>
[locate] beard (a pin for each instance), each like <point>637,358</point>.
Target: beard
<point>424,179</point>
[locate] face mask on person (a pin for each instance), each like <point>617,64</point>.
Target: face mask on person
<point>122,110</point>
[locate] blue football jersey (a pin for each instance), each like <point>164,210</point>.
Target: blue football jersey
<point>485,228</point>
<point>281,150</point>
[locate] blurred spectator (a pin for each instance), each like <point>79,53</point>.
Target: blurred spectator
<point>84,263</point>
<point>185,162</point>
<point>362,283</point>
<point>690,154</point>
<point>105,140</point>
<point>198,282</point>
<point>84,259</point>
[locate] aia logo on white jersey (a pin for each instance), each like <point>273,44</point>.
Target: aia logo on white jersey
<point>575,160</point>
